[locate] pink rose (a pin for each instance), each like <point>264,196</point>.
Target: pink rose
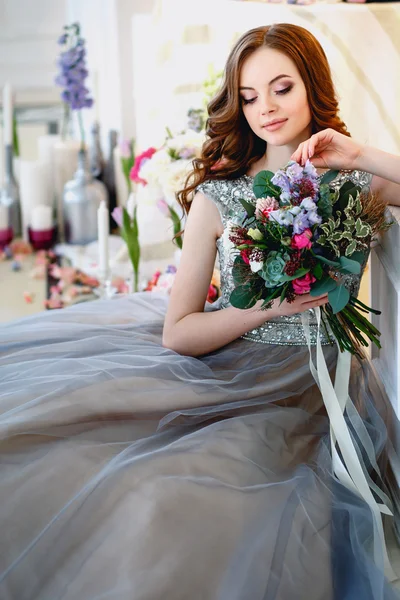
<point>302,285</point>
<point>302,240</point>
<point>139,160</point>
<point>245,255</point>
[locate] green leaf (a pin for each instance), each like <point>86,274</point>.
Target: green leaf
<point>332,263</point>
<point>327,284</point>
<point>285,287</point>
<point>177,226</point>
<point>244,297</point>
<point>338,298</point>
<point>318,271</point>
<point>349,266</point>
<point>248,207</point>
<point>351,248</point>
<point>347,189</point>
<point>299,273</point>
<point>240,271</point>
<point>362,229</point>
<point>358,256</point>
<point>262,186</point>
<point>329,176</point>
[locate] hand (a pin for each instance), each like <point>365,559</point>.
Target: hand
<point>330,150</point>
<point>302,303</point>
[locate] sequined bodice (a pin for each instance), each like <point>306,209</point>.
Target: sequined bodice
<point>226,194</point>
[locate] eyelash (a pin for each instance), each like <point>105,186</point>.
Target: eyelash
<point>279,92</point>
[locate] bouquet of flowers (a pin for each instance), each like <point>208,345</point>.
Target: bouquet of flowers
<point>304,236</point>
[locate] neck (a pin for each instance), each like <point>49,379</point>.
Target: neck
<point>276,157</point>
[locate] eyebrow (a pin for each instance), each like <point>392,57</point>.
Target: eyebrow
<point>270,83</point>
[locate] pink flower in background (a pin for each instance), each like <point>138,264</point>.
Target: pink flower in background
<point>125,149</point>
<point>302,240</point>
<point>139,160</point>
<point>117,215</point>
<point>302,285</point>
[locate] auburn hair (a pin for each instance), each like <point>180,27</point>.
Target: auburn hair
<point>231,146</point>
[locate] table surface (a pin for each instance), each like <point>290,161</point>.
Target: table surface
<point>12,288</point>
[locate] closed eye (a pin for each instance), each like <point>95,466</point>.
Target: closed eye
<point>250,101</point>
<point>285,91</point>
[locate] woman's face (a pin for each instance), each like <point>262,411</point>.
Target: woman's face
<point>274,98</point>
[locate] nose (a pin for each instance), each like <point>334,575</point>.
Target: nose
<point>268,105</point>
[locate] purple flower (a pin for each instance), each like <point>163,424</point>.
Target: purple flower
<point>300,223</point>
<point>117,215</point>
<point>314,218</point>
<point>310,170</point>
<point>187,153</point>
<point>281,180</point>
<point>164,208</point>
<point>283,217</point>
<point>73,71</point>
<point>308,204</point>
<point>62,39</point>
<point>294,171</point>
<point>125,148</point>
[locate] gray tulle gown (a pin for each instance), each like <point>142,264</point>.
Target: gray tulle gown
<point>131,472</point>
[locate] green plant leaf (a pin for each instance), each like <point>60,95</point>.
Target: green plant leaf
<point>349,266</point>
<point>177,226</point>
<point>351,248</point>
<point>299,273</point>
<point>327,284</point>
<point>262,186</point>
<point>248,207</point>
<point>358,256</point>
<point>329,176</point>
<point>338,298</point>
<point>244,296</point>
<point>318,271</point>
<point>362,229</point>
<point>332,263</point>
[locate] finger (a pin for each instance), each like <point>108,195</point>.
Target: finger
<point>304,156</point>
<point>296,156</point>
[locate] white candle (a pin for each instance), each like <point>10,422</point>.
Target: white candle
<point>7,114</point>
<point>103,232</point>
<point>41,218</point>
<point>33,190</point>
<point>3,217</point>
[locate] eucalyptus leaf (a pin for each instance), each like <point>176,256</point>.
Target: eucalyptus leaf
<point>349,266</point>
<point>338,298</point>
<point>332,263</point>
<point>262,186</point>
<point>329,176</point>
<point>244,297</point>
<point>327,284</point>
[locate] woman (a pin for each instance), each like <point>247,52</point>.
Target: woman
<point>191,462</point>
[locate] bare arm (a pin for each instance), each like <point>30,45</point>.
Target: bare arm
<point>187,328</point>
<point>333,150</point>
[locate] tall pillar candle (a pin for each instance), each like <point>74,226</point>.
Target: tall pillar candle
<point>33,190</point>
<point>46,144</point>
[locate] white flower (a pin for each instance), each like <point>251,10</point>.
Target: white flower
<point>256,265</point>
<point>188,139</point>
<point>173,178</point>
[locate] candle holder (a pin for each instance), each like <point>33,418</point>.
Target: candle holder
<point>6,236</point>
<point>42,240</point>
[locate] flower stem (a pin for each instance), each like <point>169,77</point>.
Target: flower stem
<point>82,130</point>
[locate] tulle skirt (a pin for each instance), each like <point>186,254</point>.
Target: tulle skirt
<point>128,471</point>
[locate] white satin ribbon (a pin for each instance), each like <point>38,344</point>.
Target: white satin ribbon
<point>349,470</point>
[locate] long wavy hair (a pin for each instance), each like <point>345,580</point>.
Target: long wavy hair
<point>231,146</point>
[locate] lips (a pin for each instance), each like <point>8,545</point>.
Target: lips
<point>274,125</point>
